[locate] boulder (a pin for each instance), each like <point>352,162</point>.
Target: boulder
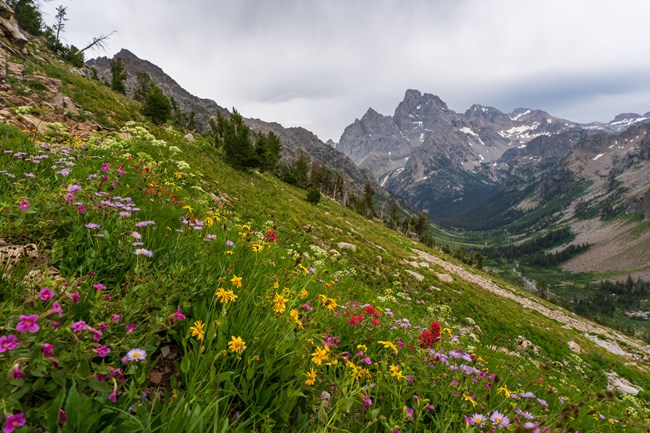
<point>417,276</point>
<point>574,347</point>
<point>9,27</point>
<point>347,246</point>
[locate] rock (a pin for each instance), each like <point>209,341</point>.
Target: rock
<point>445,278</point>
<point>30,122</point>
<point>155,377</point>
<point>621,384</point>
<point>574,347</point>
<point>15,69</point>
<point>380,259</point>
<point>347,246</point>
<point>64,103</point>
<point>9,27</point>
<point>189,137</point>
<point>524,345</point>
<point>417,276</point>
<point>325,398</point>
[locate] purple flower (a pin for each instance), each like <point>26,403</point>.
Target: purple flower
<point>143,252</point>
<point>113,396</point>
<point>13,421</point>
<point>48,350</point>
<point>45,294</point>
<point>63,416</point>
<point>92,226</point>
<point>56,308</point>
<point>79,326</point>
<point>103,327</point>
<point>24,205</point>
<point>476,419</point>
<point>74,188</point>
<point>17,372</point>
<point>130,328</point>
<point>144,223</point>
<point>137,355</point>
<point>137,244</point>
<point>8,342</point>
<point>178,315</point>
<point>366,360</point>
<point>75,297</point>
<point>103,351</point>
<point>230,244</point>
<point>115,318</point>
<point>81,209</point>
<point>124,214</point>
<point>28,324</point>
<point>367,401</point>
<point>99,287</point>
<point>97,334</point>
<point>500,420</point>
<point>105,166</point>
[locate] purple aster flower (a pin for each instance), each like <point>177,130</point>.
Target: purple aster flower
<point>137,355</point>
<point>92,226</point>
<point>28,324</point>
<point>124,214</point>
<point>8,342</point>
<point>230,244</point>
<point>476,419</point>
<point>143,252</point>
<point>74,188</point>
<point>500,420</point>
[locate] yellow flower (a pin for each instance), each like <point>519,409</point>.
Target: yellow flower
<point>279,303</point>
<point>236,281</point>
<point>321,354</point>
<point>209,222</point>
<point>188,207</point>
<point>304,269</point>
<point>331,304</point>
<point>362,347</point>
<point>276,285</point>
<point>257,248</point>
<point>311,377</point>
<point>470,399</point>
<point>394,371</point>
<point>228,252</point>
<point>225,296</point>
<point>197,330</point>
<point>246,227</point>
<point>236,344</point>
<point>243,234</point>
<point>389,345</point>
<point>504,390</point>
<point>304,294</point>
<point>296,318</point>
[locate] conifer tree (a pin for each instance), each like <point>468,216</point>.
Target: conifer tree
<point>119,75</point>
<point>156,106</point>
<point>28,16</point>
<point>235,137</point>
<point>143,81</point>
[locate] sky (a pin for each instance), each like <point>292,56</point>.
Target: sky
<point>321,64</point>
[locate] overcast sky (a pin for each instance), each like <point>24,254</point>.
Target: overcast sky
<point>321,63</point>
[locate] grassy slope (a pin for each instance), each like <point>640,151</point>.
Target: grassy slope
<point>186,269</point>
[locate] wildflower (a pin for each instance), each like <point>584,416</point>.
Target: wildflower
<point>394,371</point>
<point>97,334</point>
<point>79,326</point>
<point>13,421</point>
<point>28,324</point>
<point>225,296</point>
<point>137,355</point>
<point>307,307</point>
<point>45,294</point>
<point>17,372</point>
<point>303,294</point>
<point>500,420</point>
<point>136,235</point>
<point>389,345</point>
<point>230,244</point>
<point>257,248</point>
<point>99,287</point>
<point>470,398</point>
<point>8,342</point>
<point>102,351</point>
<point>320,354</point>
<point>409,413</point>
<point>236,344</point>
<point>75,297</point>
<point>197,330</point>
<point>124,214</point>
<point>92,226</point>
<point>367,401</point>
<point>63,416</point>
<point>143,252</point>
<point>48,350</point>
<point>279,304</point>
<point>115,317</point>
<point>504,390</point>
<point>178,315</point>
<point>366,360</point>
<point>113,395</point>
<point>476,419</point>
<point>56,308</point>
<point>144,224</point>
<point>236,281</point>
<point>81,209</point>
<point>130,328</point>
<point>105,166</point>
<point>24,205</point>
<point>295,316</point>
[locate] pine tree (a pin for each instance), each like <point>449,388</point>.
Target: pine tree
<point>119,75</point>
<point>302,167</point>
<point>28,16</point>
<point>368,199</point>
<point>235,137</point>
<point>143,82</point>
<point>156,106</point>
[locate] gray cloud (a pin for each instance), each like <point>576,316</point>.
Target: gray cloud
<point>320,64</point>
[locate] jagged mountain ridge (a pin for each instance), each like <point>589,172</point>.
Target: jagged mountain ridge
<point>293,140</point>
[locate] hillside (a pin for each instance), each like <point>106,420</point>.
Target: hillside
<point>148,286</point>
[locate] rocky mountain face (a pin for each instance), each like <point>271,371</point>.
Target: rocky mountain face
<point>293,140</point>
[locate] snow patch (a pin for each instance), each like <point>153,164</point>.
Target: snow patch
<point>418,123</point>
<point>595,158</point>
<point>418,107</point>
<point>520,115</point>
<point>467,130</point>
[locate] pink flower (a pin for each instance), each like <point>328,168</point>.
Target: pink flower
<point>103,327</point>
<point>102,351</point>
<point>45,294</point>
<point>56,308</point>
<point>28,324</point>
<point>367,402</point>
<point>8,343</point>
<point>113,396</point>
<point>13,421</point>
<point>63,417</point>
<point>99,287</point>
<point>79,326</point>
<point>116,318</point>
<point>178,315</point>
<point>97,334</point>
<point>130,328</point>
<point>17,372</point>
<point>105,166</point>
<point>75,297</point>
<point>24,205</point>
<point>81,209</point>
<point>48,350</point>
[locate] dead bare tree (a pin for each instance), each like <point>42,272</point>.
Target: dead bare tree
<point>98,43</point>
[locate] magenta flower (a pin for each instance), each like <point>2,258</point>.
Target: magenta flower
<point>81,209</point>
<point>75,297</point>
<point>63,416</point>
<point>103,327</point>
<point>367,401</point>
<point>102,351</point>
<point>105,166</point>
<point>17,372</point>
<point>45,294</point>
<point>130,328</point>
<point>92,226</point>
<point>24,205</point>
<point>113,396</point>
<point>28,324</point>
<point>366,360</point>
<point>178,315</point>
<point>13,421</point>
<point>8,342</point>
<point>79,326</point>
<point>99,287</point>
<point>56,308</point>
<point>116,318</point>
<point>97,334</point>
<point>143,252</point>
<point>48,350</point>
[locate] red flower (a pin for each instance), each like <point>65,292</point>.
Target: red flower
<point>270,236</point>
<point>430,336</point>
<point>370,311</point>
<point>356,319</point>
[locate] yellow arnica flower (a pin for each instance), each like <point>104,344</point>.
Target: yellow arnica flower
<point>236,344</point>
<point>389,345</point>
<point>311,377</point>
<point>197,330</point>
<point>257,248</point>
<point>331,304</point>
<point>279,303</point>
<point>209,222</point>
<point>295,316</point>
<point>304,294</point>
<point>236,281</point>
<point>470,399</point>
<point>225,296</point>
<point>276,285</point>
<point>321,354</point>
<point>394,371</point>
<point>188,207</point>
<point>504,390</point>
<point>228,252</point>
